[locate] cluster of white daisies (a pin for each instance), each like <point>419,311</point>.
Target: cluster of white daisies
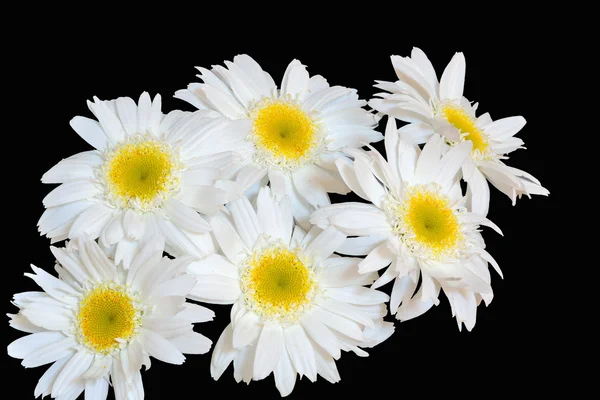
<point>237,194</point>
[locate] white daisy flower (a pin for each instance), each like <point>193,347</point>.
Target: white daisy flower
<point>439,106</point>
<point>295,305</point>
<point>149,173</point>
<point>418,223</point>
<point>293,134</point>
<point>100,323</point>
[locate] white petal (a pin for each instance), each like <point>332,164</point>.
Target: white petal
<point>360,246</point>
<point>451,163</point>
<point>313,183</point>
<point>343,271</point>
<point>127,110</point>
<point>90,131</point>
<point>425,67</point>
<point>192,343</point>
<point>339,324</point>
<point>295,79</point>
<point>326,366</point>
<point>282,184</point>
<point>185,217</point>
<point>112,127</point>
<point>51,285</point>
<point>216,289</point>
<point>180,286</point>
<point>50,353</point>
<point>246,221</point>
<point>91,221</point>
<point>285,374</point>
<point>379,258</point>
<point>321,334</point>
<point>389,274</point>
<point>428,164</point>
<point>246,330</point>
<point>345,310</point>
<point>178,241</point>
<point>223,102</point>
<point>243,364</point>
<point>275,218</point>
<point>131,358</point>
<point>300,351</point>
<point>70,192</point>
<point>21,323</point>
<point>229,240</point>
<point>96,389</point>
<point>44,385</point>
<point>413,308</point>
<point>100,367</point>
<point>408,72</point>
<point>160,348</point>
<point>61,216</point>
<point>24,346</point>
<point>353,219</point>
<point>70,265</point>
<point>133,224</point>
<point>168,327</point>
<point>223,353</point>
<point>149,255</point>
<point>370,185</point>
<point>72,370</point>
<point>79,166</point>
<point>478,190</point>
<point>205,199</point>
<point>268,350</point>
<point>357,295</point>
<point>196,313</point>
<point>113,231</point>
<point>418,133</point>
<point>453,79</point>
<point>51,318</point>
<point>97,264</point>
<point>505,128</point>
<point>346,171</point>
<point>214,264</point>
<point>325,244</point>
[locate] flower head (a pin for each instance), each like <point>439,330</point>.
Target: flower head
<point>293,133</point>
<point>150,173</point>
<point>296,306</point>
<point>98,322</point>
<point>417,224</point>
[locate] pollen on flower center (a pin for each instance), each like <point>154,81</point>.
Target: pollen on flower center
<point>140,173</point>
<point>283,133</point>
<point>106,313</point>
<point>465,123</point>
<point>426,222</point>
<point>277,283</point>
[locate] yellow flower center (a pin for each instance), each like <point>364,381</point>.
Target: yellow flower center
<point>284,132</point>
<point>278,284</point>
<point>433,221</point>
<point>140,173</point>
<point>427,223</point>
<point>105,314</point>
<point>465,123</point>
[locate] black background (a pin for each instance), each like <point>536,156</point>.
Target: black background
<point>509,350</point>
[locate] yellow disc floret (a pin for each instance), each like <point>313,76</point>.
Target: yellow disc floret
<point>141,172</point>
<point>106,313</point>
<point>277,283</point>
<point>427,222</point>
<point>283,133</point>
<point>465,123</point>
